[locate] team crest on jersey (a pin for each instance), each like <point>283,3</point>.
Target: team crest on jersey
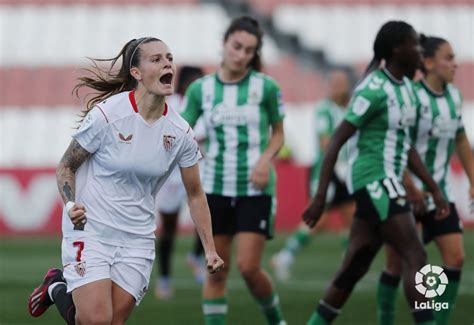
<point>168,142</point>
<point>125,139</point>
<point>81,268</point>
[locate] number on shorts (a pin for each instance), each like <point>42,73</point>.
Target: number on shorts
<point>394,188</point>
<point>80,246</point>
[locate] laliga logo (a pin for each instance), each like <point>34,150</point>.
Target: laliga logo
<point>431,281</point>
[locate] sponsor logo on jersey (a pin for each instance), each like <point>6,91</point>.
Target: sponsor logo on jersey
<point>125,139</point>
<point>168,142</point>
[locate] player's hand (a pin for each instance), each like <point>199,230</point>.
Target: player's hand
<point>214,263</point>
<point>417,199</point>
<point>77,214</point>
<point>315,209</point>
<point>442,206</point>
<point>260,174</point>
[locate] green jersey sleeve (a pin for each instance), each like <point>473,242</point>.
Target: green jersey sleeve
<point>364,105</point>
<point>274,102</point>
<point>192,103</point>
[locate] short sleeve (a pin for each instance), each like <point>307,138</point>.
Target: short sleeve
<point>274,103</point>
<point>190,153</point>
<point>90,133</point>
<point>363,106</point>
<point>191,106</point>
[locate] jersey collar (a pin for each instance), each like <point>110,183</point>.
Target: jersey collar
<point>131,96</point>
<point>391,77</point>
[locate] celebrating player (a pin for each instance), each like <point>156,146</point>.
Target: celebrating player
<point>128,143</point>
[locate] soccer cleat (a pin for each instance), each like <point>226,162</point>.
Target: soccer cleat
<point>281,264</point>
<point>198,267</point>
<point>39,300</point>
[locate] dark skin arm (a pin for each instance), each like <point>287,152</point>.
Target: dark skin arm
<point>313,212</point>
<point>416,166</point>
<point>415,196</point>
<point>72,159</point>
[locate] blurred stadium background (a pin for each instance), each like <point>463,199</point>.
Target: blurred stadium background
<point>44,43</point>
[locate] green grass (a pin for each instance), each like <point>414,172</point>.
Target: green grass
<point>24,261</point>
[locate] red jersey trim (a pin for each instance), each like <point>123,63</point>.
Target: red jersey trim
<point>131,96</point>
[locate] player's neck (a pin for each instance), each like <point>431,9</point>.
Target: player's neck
<point>228,76</point>
<point>395,70</point>
<point>151,107</point>
<point>435,84</point>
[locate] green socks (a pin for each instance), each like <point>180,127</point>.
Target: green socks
<point>298,240</point>
<point>387,294</point>
<point>323,315</point>
<point>449,295</point>
<point>214,311</point>
<point>271,309</point>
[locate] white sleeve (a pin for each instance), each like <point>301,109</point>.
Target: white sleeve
<point>89,135</point>
<point>190,153</point>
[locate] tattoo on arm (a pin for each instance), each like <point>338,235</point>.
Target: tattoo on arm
<point>72,159</point>
<point>67,190</point>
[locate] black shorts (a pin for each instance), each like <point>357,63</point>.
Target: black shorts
<point>340,193</point>
<point>337,193</point>
<point>376,203</point>
<point>433,228</point>
<point>231,215</point>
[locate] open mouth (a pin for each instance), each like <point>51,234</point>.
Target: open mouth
<point>167,78</point>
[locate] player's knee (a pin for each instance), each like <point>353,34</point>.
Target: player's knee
<point>454,260</point>
<point>94,318</point>
<point>353,271</point>
<point>417,257</point>
<point>248,271</point>
<point>218,279</point>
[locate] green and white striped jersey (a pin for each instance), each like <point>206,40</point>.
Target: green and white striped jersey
<point>237,117</point>
<point>439,122</point>
<point>383,109</point>
<point>328,117</point>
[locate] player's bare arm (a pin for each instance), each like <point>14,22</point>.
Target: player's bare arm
<point>72,159</point>
<point>201,216</point>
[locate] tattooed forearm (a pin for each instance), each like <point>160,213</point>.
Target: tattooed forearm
<point>67,190</point>
<point>74,156</point>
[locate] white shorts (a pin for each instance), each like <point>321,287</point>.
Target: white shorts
<point>86,260</point>
<point>172,194</point>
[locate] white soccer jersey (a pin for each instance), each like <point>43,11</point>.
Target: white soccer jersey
<point>131,160</point>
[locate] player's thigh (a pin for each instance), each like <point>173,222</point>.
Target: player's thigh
<point>250,247</point>
<point>93,302</point>
<point>123,303</point>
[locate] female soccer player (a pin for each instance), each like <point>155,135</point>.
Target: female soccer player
<point>170,200</point>
<point>380,113</point>
<point>439,131</point>
<point>329,113</point>
<point>126,146</point>
<point>240,106</point>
